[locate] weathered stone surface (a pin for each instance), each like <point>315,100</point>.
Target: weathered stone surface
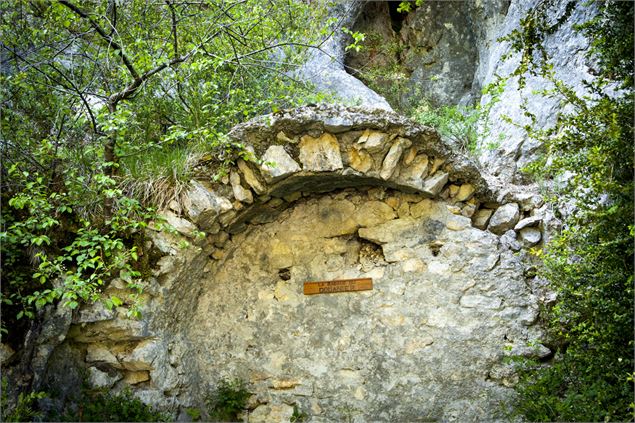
<point>142,357</point>
<point>271,413</point>
<point>133,378</point>
<point>528,221</point>
<point>504,218</point>
<point>337,124</point>
<point>373,141</point>
<point>374,213</point>
<point>95,312</point>
<point>392,158</point>
<point>413,175</point>
<point>250,177</point>
<point>410,155</point>
<point>98,353</point>
<point>481,218</point>
<point>529,236</point>
<point>436,164</point>
<point>468,210</point>
<point>465,192</point>
<point>509,241</point>
<point>480,301</point>
<point>433,185</point>
<point>118,330</point>
<point>320,154</point>
<point>203,205</point>
<point>181,225</point>
<point>435,299</point>
<point>423,208</point>
<point>325,66</point>
<point>98,379</point>
<point>277,164</point>
<point>458,223</point>
<point>54,329</point>
<point>360,160</point>
<point>6,352</point>
<point>240,193</point>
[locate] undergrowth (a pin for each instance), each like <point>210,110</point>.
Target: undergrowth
<point>229,399</point>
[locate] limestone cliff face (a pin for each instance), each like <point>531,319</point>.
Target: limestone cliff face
<point>331,193</point>
<point>445,53</point>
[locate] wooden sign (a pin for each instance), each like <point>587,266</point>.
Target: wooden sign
<point>343,285</point>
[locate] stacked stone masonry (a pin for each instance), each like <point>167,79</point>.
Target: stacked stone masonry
<point>330,193</point>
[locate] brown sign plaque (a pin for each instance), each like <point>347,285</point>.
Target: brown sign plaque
<point>342,285</point>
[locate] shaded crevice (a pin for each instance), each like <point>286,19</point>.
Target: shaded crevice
<point>396,18</point>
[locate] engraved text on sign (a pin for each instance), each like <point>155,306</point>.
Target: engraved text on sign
<point>343,285</point>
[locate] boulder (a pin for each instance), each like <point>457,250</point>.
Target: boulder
<point>504,218</point>
<point>529,236</point>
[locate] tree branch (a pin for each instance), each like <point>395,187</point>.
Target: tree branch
<point>109,40</point>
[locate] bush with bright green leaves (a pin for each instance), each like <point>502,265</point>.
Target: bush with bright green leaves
<point>588,159</point>
<point>107,109</point>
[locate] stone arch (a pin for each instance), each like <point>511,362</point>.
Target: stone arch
<point>322,149</point>
<point>352,162</point>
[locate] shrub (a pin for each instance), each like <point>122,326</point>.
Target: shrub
<point>229,399</point>
<point>24,409</point>
<point>102,406</point>
<point>589,263</point>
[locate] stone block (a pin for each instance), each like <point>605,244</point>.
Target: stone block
<point>373,141</point>
<point>360,160</point>
<point>98,379</point>
<point>504,218</point>
<point>320,154</point>
<point>529,236</point>
<point>277,164</point>
<point>250,177</point>
<point>433,185</point>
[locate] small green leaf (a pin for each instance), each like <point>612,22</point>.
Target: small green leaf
<point>116,300</point>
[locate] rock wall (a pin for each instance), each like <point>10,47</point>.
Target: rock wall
<point>567,49</point>
<point>329,193</point>
<point>447,52</point>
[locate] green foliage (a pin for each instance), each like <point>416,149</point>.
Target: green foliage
<point>381,67</point>
<point>358,38</point>
<point>102,406</point>
<point>613,50</point>
<point>71,256</point>
<point>465,126</point>
<point>229,399</point>
<point>194,413</point>
<point>458,124</point>
<point>589,160</point>
<point>24,407</point>
<point>298,415</point>
<point>108,107</point>
<point>406,6</point>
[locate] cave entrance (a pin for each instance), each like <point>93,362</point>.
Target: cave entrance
<point>425,57</point>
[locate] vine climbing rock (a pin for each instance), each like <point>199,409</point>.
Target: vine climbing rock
<point>327,193</point>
